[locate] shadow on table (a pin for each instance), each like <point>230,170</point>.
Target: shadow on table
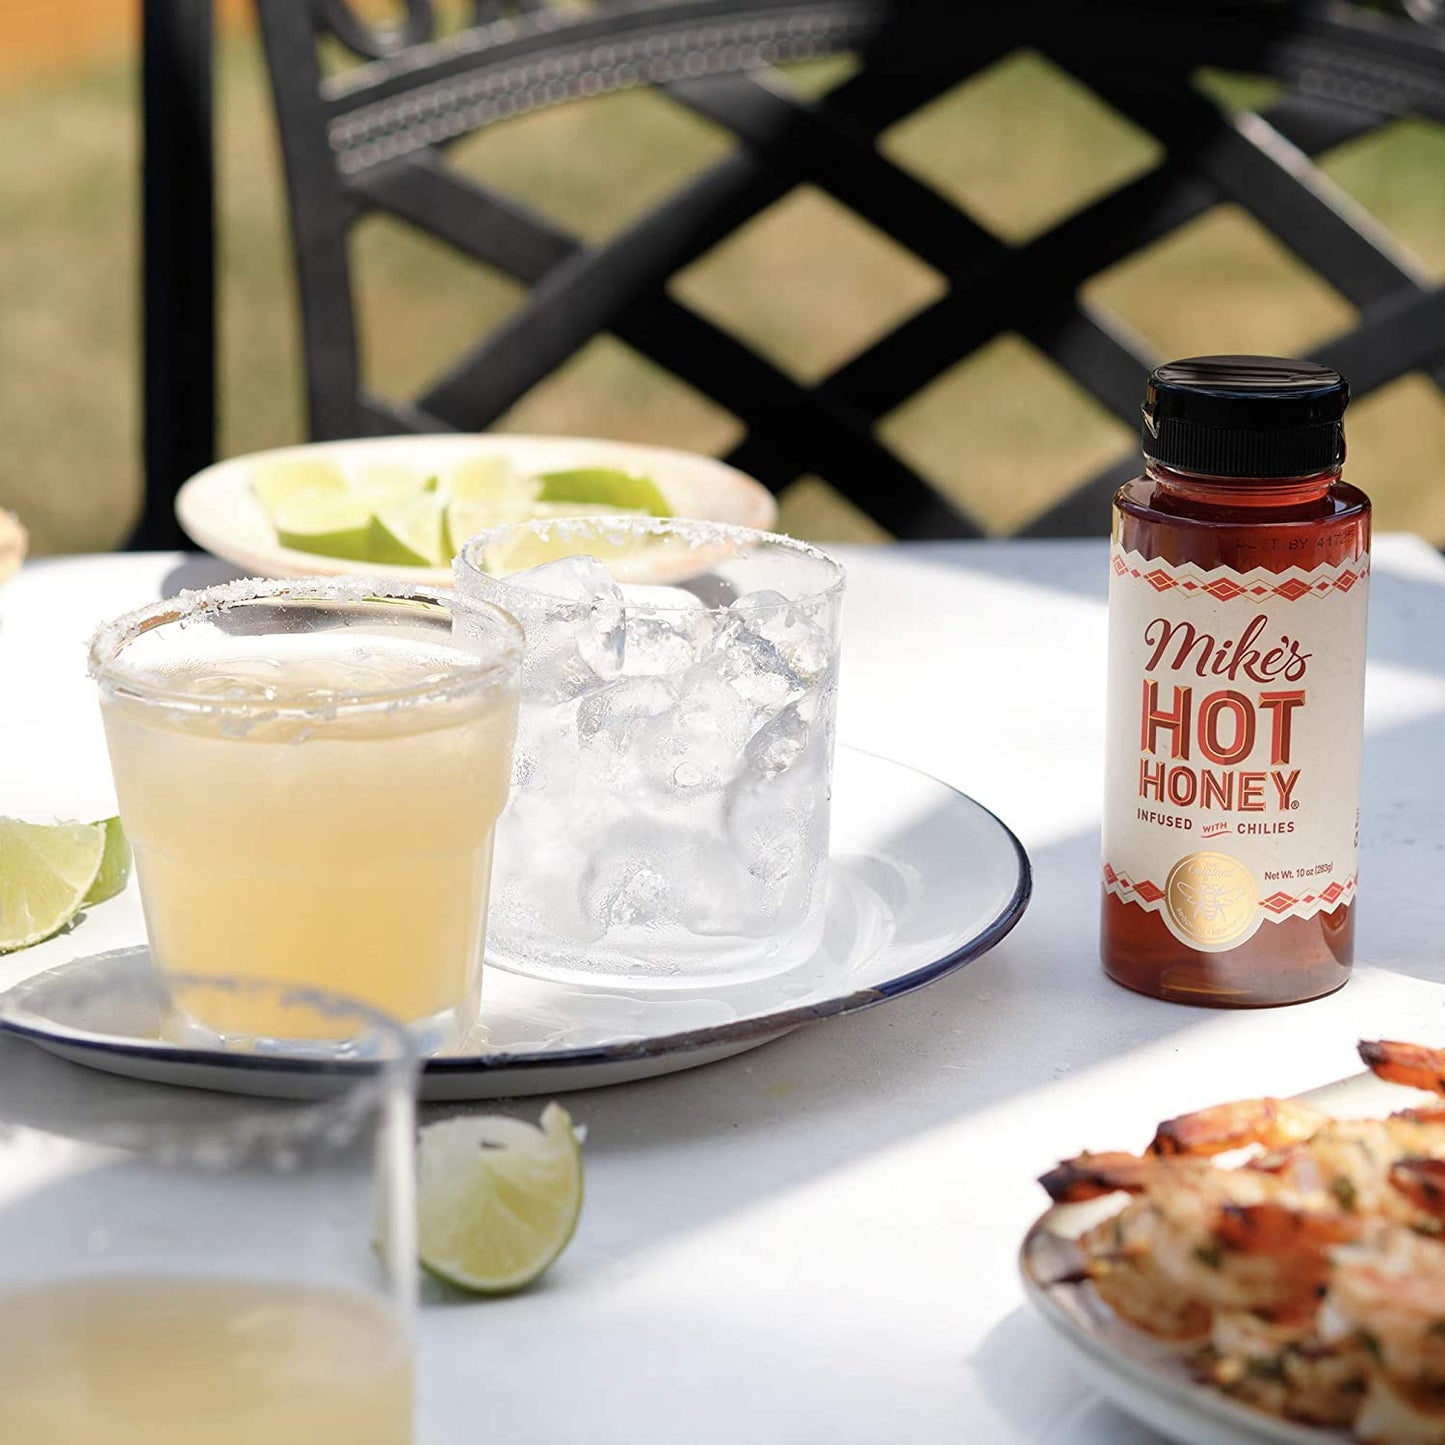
<point>848,1088</point>
<point>1006,1026</point>
<point>1025,1376</point>
<point>199,569</point>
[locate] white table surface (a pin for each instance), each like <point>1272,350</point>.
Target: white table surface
<point>815,1242</point>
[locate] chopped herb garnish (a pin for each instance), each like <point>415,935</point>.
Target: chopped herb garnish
<point>1344,1190</point>
<point>1210,1255</point>
<point>1265,1367</point>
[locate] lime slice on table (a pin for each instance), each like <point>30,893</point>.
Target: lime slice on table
<point>408,533</point>
<point>331,526</point>
<point>280,481</point>
<point>498,1200</point>
<point>46,874</point>
<point>608,486</point>
<point>114,863</point>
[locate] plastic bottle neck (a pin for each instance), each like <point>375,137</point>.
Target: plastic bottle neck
<point>1263,492</point>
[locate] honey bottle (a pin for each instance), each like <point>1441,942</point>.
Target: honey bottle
<point>1239,571</point>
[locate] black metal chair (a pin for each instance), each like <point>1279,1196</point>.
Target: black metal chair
<point>374,138</point>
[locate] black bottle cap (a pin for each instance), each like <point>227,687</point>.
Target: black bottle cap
<point>1245,416</point>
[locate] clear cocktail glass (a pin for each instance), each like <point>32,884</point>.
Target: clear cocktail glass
<point>310,773</point>
<point>180,1266</point>
<point>668,824</point>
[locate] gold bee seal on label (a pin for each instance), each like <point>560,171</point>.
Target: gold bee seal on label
<point>1211,901</point>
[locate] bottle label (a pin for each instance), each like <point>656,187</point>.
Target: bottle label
<point>1233,757</point>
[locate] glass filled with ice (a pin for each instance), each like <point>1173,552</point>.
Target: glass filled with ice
<point>310,773</point>
<point>668,822</point>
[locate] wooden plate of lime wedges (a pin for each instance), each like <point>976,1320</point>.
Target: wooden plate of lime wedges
<point>389,505</point>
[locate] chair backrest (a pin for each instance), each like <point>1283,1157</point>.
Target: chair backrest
<point>373,137</point>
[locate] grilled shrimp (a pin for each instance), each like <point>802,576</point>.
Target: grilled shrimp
<point>1286,1368</point>
<point>1226,1238</point>
<point>1119,1258</point>
<point>1389,1288</point>
<point>1238,1239</point>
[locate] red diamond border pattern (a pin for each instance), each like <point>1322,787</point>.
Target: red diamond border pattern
<point>1225,585</point>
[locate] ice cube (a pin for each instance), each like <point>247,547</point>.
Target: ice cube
<point>651,874</point>
<point>766,621</point>
<point>777,830</point>
<point>656,737</point>
<point>572,613</point>
<point>658,644</point>
<point>569,579</point>
<point>716,720</point>
<point>779,743</point>
<point>616,716</point>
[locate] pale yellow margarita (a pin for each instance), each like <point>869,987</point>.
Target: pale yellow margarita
<point>154,1361</point>
<point>318,808</point>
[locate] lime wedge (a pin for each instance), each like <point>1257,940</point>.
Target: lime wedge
<point>490,479</point>
<point>114,864</point>
<point>383,483</point>
<point>466,518</point>
<point>277,482</point>
<point>46,871</point>
<point>329,525</point>
<point>498,1200</point>
<point>603,484</point>
<point>408,533</point>
<point>627,557</point>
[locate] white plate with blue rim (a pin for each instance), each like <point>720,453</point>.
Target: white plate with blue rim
<point>922,880</point>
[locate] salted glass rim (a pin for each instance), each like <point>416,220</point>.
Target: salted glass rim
<point>108,643</point>
<point>364,1081</point>
<point>697,531</point>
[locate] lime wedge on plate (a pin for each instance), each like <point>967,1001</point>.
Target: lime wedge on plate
<point>46,872</point>
<point>277,482</point>
<point>466,518</point>
<point>532,547</point>
<point>408,533</point>
<point>385,482</point>
<point>490,479</point>
<point>498,1200</point>
<point>114,864</point>
<point>333,526</point>
<point>604,484</point>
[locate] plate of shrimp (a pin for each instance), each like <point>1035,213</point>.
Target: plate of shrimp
<point>1267,1270</point>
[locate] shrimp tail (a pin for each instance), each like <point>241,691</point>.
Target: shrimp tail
<point>1413,1065</point>
<point>1274,1123</point>
<point>1422,1181</point>
<point>1087,1176</point>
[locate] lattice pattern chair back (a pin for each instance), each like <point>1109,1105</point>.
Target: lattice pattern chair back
<point>374,137</point>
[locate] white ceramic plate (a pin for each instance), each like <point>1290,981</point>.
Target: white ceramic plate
<point>1145,1376</point>
<point>922,881</point>
<point>218,511</point>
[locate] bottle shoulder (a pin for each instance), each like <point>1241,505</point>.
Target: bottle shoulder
<point>1146,500</point>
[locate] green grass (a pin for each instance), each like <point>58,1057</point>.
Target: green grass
<point>1003,433</point>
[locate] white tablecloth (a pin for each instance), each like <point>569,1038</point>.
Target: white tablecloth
<point>815,1242</point>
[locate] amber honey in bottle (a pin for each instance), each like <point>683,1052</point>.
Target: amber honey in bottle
<point>1239,570</point>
